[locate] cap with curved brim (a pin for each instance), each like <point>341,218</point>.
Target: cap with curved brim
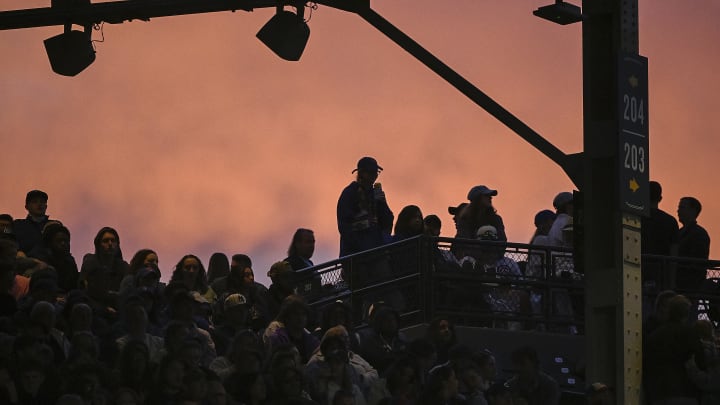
<point>367,164</point>
<point>478,191</point>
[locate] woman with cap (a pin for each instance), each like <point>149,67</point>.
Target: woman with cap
<point>477,213</point>
<point>363,216</point>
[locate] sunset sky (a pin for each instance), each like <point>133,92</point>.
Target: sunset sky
<point>188,135</point>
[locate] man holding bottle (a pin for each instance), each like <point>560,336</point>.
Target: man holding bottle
<point>363,215</point>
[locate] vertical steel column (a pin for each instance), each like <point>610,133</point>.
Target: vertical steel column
<point>612,237</point>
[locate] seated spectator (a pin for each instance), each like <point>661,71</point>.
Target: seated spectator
<point>55,251</point>
<point>337,314</point>
<point>34,383</point>
<point>283,285</point>
<point>77,316</point>
<point>41,326</point>
<point>441,387</point>
<point>181,311</point>
<point>424,354</point>
<point>136,323</point>
<point>290,388</point>
<point>486,367</point>
<point>135,368</point>
<point>232,320</point>
<point>441,333</point>
<point>382,343</point>
<point>84,351</point>
<point>218,266</point>
<point>101,298</point>
<point>167,382</point>
<point>28,231</point>
<point>402,382</point>
<point>335,368</point>
<point>666,352</point>
<point>191,273</point>
<point>107,261</point>
<point>241,279</point>
<point>286,355</point>
<point>289,327</point>
<point>530,382</point>
<point>143,259</point>
<point>242,356</point>
<point>471,385</point>
<point>409,223</point>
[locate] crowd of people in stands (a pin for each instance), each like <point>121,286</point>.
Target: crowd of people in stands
<point>110,332</point>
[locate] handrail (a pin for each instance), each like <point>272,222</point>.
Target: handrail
<point>548,293</point>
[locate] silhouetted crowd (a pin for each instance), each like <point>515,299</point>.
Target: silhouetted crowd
<point>110,332</point>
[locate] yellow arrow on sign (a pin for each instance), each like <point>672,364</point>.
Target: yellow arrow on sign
<point>634,186</point>
<point>633,81</point>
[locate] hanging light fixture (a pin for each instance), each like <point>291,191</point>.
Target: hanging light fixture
<point>70,52</point>
<point>286,33</point>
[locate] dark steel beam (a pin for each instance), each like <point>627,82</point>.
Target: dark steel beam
<point>120,11</point>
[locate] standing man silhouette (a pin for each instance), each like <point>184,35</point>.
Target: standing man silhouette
<point>363,215</point>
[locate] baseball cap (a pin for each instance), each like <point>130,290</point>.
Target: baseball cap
<point>478,191</point>
<point>33,194</point>
<point>197,297</point>
<point>368,164</point>
<point>234,300</point>
<point>456,210</point>
<point>487,232</point>
<point>562,198</point>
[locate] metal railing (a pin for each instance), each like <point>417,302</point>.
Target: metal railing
<point>492,284</point>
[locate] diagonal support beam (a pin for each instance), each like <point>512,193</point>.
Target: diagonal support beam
<point>571,164</point>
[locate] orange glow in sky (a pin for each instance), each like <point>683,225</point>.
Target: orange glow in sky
<point>187,135</point>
